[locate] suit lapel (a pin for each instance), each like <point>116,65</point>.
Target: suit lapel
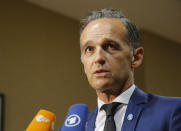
<point>134,109</point>
<point>91,120</point>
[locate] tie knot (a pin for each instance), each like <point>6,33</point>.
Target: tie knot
<point>110,109</point>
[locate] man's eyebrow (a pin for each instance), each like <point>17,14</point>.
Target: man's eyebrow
<point>103,42</point>
<point>87,43</point>
<point>111,41</point>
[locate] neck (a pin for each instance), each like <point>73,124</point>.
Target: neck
<point>108,96</point>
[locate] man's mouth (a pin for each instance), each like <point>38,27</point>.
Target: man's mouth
<point>101,72</point>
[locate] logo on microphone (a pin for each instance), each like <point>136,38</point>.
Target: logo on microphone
<point>72,120</point>
<point>53,126</point>
<point>41,118</point>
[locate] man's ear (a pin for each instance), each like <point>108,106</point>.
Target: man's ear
<point>137,57</point>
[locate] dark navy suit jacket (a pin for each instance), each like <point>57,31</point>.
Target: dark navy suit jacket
<point>150,113</point>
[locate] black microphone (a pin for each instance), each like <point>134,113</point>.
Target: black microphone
<point>76,118</point>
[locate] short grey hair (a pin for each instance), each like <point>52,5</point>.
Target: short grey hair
<point>132,36</point>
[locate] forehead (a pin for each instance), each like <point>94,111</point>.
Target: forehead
<point>99,29</point>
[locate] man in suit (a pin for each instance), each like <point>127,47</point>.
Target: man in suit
<point>110,52</point>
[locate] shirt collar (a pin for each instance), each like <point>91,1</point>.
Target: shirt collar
<point>122,98</point>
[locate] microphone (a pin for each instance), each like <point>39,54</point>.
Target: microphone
<point>76,118</point>
<point>43,121</point>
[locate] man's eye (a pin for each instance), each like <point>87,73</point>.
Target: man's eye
<point>89,49</point>
<point>109,46</point>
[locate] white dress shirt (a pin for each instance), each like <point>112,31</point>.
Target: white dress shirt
<point>119,116</point>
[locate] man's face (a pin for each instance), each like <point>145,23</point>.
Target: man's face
<point>105,54</point>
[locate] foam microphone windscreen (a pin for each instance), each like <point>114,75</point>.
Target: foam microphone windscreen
<point>43,121</point>
<point>76,118</point>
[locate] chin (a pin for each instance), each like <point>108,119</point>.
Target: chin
<point>102,86</point>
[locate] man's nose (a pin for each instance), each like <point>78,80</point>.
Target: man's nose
<point>100,56</point>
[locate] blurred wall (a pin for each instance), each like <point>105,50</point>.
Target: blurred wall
<point>40,64</point>
<point>162,64</point>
